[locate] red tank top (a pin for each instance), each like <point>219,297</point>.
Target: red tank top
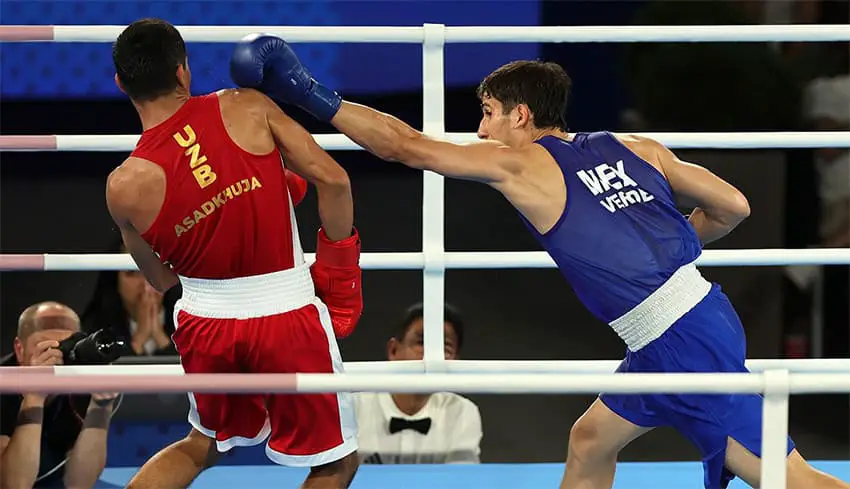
<point>226,212</point>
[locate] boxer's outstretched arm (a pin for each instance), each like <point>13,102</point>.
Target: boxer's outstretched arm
<point>123,187</point>
<point>267,63</point>
<point>720,206</point>
<point>307,159</point>
<point>391,139</point>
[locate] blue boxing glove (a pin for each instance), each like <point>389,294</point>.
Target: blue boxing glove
<point>267,63</point>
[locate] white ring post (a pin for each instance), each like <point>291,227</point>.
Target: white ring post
<point>433,201</point>
<point>774,429</point>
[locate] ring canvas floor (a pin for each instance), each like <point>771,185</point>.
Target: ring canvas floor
<point>679,475</point>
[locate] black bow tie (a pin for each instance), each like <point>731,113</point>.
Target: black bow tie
<point>421,425</point>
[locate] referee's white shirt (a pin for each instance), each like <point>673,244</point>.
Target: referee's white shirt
<point>454,435</point>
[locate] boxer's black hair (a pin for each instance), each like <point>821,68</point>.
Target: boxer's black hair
<point>146,56</point>
<point>543,86</point>
<point>416,311</point>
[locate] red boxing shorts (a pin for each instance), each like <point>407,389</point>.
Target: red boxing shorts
<point>265,324</point>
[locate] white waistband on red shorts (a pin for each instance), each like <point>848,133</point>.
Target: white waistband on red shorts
<point>654,315</point>
<point>248,297</point>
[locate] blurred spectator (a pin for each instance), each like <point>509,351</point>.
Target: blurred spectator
<point>820,293</point>
<point>828,109</point>
<point>56,440</point>
<point>419,428</point>
<point>125,302</point>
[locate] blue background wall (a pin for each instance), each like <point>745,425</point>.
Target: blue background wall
<point>31,70</point>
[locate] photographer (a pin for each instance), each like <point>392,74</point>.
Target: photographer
<point>51,441</point>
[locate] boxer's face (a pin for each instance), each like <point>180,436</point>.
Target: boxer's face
<point>506,127</point>
<point>412,347</point>
<point>495,124</point>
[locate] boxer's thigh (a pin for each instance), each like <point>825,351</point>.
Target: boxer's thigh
<point>307,429</point>
<point>207,346</point>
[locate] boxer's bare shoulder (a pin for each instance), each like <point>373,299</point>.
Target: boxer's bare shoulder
<point>647,149</point>
<point>688,180</point>
<point>244,112</point>
<point>135,191</point>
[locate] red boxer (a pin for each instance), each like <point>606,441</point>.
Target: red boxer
<point>204,200</point>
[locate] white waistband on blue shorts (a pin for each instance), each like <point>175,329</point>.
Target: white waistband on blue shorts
<point>248,297</point>
<point>655,314</point>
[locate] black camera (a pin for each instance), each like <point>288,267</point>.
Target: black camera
<point>99,348</point>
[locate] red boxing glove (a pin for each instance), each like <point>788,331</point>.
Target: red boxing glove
<point>297,187</point>
<point>337,277</point>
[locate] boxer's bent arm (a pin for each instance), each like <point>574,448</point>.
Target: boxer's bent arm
<point>122,189</point>
<point>159,275</point>
<point>720,206</point>
<point>307,159</point>
<point>391,139</point>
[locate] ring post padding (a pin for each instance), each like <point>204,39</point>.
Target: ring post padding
<point>433,201</point>
<point>774,428</point>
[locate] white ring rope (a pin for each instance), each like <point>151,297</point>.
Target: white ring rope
<point>475,260</point>
<point>465,34</point>
<point>487,367</point>
<point>334,142</point>
<point>17,379</point>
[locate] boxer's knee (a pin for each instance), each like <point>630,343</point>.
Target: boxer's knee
<point>587,443</point>
<point>599,435</point>
<point>201,449</point>
<point>178,464</point>
<point>341,471</point>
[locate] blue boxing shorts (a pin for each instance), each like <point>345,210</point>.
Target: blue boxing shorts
<point>708,338</point>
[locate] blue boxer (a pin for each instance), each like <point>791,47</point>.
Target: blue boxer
<point>604,207</point>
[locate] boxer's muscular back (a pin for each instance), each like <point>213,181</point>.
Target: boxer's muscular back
<point>225,209</point>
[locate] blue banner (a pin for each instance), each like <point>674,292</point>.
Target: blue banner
<point>57,70</point>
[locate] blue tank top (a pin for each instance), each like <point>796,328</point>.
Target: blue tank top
<point>620,236</point>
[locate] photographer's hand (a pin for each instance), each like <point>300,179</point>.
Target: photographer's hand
<point>47,354</point>
<point>20,459</point>
<point>88,457</point>
<point>103,400</point>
